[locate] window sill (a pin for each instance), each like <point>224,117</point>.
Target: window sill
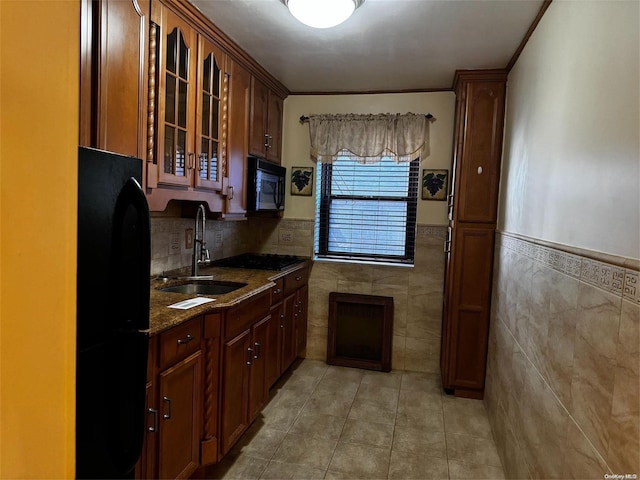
<point>362,262</point>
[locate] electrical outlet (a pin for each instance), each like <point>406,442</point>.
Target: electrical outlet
<point>188,238</point>
<point>286,237</point>
<point>174,243</point>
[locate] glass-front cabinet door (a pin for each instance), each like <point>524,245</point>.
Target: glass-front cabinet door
<point>211,141</point>
<point>176,155</point>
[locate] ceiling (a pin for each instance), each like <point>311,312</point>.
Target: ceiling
<point>387,45</point>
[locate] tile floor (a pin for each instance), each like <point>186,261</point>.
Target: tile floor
<point>327,422</point>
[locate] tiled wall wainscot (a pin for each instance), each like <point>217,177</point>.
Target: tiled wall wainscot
<point>563,376</point>
<point>417,291</point>
<point>417,294</point>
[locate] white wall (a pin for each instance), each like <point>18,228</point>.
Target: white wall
<point>296,138</point>
<point>570,171</point>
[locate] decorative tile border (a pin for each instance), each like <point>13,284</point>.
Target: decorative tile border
<point>623,282</point>
<point>631,288</point>
<point>438,231</point>
<point>296,224</point>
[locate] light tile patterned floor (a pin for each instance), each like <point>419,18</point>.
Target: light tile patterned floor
<point>327,422</point>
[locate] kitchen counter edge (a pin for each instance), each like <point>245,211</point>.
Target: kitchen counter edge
<point>162,318</point>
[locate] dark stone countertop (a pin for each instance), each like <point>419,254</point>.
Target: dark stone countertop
<point>161,317</point>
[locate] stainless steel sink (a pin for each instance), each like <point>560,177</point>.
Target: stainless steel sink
<point>204,287</point>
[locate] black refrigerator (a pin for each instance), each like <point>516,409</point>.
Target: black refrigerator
<point>113,279</point>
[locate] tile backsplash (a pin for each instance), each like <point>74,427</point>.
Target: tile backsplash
<point>563,373</point>
<point>417,291</point>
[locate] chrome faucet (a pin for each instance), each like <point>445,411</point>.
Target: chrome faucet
<point>203,257</point>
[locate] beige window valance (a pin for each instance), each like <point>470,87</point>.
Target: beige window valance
<point>369,137</point>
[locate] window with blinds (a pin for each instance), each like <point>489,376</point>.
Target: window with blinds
<point>366,211</point>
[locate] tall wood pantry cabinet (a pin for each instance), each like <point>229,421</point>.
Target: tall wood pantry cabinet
<point>480,100</point>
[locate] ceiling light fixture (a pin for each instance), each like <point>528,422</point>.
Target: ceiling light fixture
<point>322,13</point>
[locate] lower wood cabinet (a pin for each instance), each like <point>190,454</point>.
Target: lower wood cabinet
<point>235,389</point>
<point>300,316</point>
<point>258,388</point>
<point>288,331</point>
<point>174,403</point>
<point>180,389</point>
<point>467,310</point>
<point>209,444</point>
<point>244,352</point>
<point>274,353</point>
<point>209,377</point>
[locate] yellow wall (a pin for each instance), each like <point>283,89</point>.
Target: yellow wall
<point>296,144</point>
<point>39,75</point>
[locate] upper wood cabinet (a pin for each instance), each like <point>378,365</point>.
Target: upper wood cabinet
<point>114,60</point>
<point>239,99</point>
<point>156,84</point>
<point>176,104</point>
<point>189,141</point>
<point>480,99</point>
<point>480,149</point>
<point>265,124</point>
<point>211,114</point>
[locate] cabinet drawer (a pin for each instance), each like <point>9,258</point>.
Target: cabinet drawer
<point>277,292</point>
<point>295,280</point>
<point>241,317</point>
<point>180,342</point>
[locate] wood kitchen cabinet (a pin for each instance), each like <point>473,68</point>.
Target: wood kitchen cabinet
<point>113,84</point>
<point>244,390</point>
<point>265,125</point>
<point>187,141</point>
<point>210,444</point>
<point>156,84</point>
<point>235,181</point>
<point>146,466</point>
<point>274,354</point>
<point>172,443</point>
<point>178,64</point>
<point>480,99</point>
<point>179,442</point>
<point>302,301</point>
<point>258,388</point>
<point>245,347</point>
<point>288,331</point>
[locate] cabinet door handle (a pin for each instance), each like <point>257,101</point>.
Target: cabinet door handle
<point>249,361</point>
<point>282,320</point>
<point>188,338</point>
<point>154,427</point>
<point>276,291</point>
<point>266,140</point>
<point>191,162</point>
<point>270,144</point>
<point>256,353</point>
<point>230,192</point>
<point>298,278</point>
<point>167,416</point>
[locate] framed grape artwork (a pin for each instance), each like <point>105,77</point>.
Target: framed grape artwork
<point>302,181</point>
<point>435,184</point>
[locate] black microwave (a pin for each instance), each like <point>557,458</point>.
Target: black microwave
<point>265,186</point>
